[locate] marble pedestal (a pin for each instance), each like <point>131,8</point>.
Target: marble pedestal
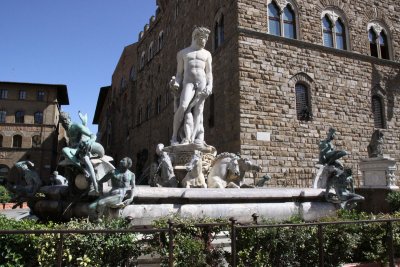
<point>379,173</point>
<point>181,155</point>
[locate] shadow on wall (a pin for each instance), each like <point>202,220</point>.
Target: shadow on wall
<point>390,89</point>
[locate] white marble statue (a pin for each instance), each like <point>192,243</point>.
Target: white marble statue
<point>191,86</point>
<point>195,176</point>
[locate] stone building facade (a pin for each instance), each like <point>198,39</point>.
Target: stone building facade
<point>284,72</point>
<point>29,128</point>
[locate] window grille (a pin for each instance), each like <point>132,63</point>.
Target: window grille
<point>303,108</point>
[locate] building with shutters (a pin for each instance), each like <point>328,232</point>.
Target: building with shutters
<point>284,72</point>
<point>29,127</point>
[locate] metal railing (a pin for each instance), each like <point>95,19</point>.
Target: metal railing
<point>320,233</point>
<point>232,224</point>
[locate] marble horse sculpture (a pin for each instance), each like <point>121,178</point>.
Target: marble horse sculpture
<point>224,171</point>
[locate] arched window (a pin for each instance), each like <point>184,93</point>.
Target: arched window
<point>373,42</point>
<point>289,24</point>
<point>140,115</point>
<point>19,117</point>
<point>160,40</point>
<point>340,35</point>
<point>303,107</point>
<point>36,142</point>
<point>1,140</point>
<point>38,117</point>
<point>158,104</point>
<point>211,120</point>
<point>133,73</point>
<point>123,85</point>
<point>327,27</point>
<point>379,42</point>
<point>383,43</point>
<point>377,109</point>
<point>219,32</point>
<point>3,115</point>
<point>148,110</point>
<point>274,21</point>
<point>150,52</point>
<point>17,141</point>
<point>176,11</point>
<point>142,60</point>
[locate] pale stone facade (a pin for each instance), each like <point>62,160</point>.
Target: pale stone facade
<point>253,106</point>
<point>39,136</point>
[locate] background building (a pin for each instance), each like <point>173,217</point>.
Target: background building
<point>29,128</point>
<point>284,72</point>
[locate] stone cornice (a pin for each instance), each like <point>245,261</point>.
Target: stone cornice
<point>317,47</point>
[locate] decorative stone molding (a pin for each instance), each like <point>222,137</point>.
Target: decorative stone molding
<point>301,77</point>
<point>379,173</point>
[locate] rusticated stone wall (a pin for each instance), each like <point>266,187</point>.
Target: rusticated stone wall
<point>341,85</point>
<point>255,75</point>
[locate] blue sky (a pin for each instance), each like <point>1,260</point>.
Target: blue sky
<point>72,42</point>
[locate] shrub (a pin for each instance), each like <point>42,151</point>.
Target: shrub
<point>78,249</point>
<point>272,246</point>
<point>192,244</point>
<point>393,198</point>
<point>5,195</point>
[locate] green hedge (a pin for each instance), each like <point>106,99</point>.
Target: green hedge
<point>5,195</point>
<point>79,249</point>
<point>284,246</point>
<point>298,246</point>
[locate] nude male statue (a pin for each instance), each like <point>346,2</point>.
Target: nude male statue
<point>194,80</point>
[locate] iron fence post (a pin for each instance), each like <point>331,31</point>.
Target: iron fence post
<point>60,244</point>
<point>255,218</point>
<point>321,245</point>
<point>170,243</point>
<point>233,241</point>
<point>389,233</point>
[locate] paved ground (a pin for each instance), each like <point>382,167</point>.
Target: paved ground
<point>17,214</point>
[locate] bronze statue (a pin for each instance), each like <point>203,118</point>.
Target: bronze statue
<point>121,193</point>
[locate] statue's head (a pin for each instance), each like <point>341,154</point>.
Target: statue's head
<point>125,163</point>
<point>55,173</point>
<point>159,149</point>
<point>331,133</point>
<point>65,119</point>
<point>200,36</point>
